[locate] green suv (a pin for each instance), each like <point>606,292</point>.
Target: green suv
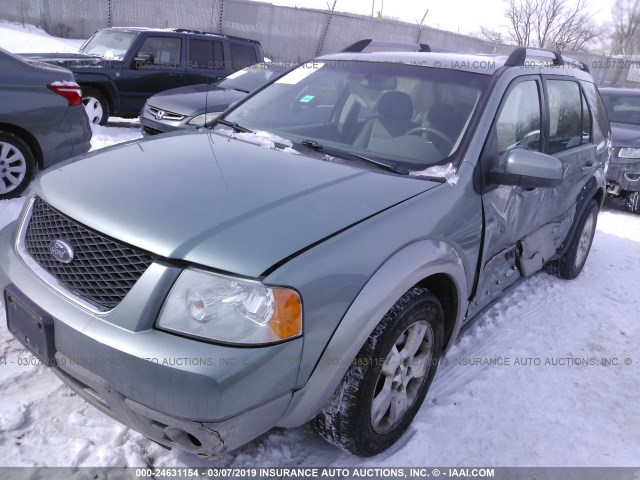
<point>313,254</point>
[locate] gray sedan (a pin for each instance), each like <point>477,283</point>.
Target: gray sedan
<point>192,106</point>
<point>42,120</point>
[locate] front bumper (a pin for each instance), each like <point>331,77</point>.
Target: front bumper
<point>623,174</point>
<point>204,439</point>
<point>197,396</point>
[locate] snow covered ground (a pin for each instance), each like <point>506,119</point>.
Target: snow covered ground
<point>18,38</point>
<point>564,411</point>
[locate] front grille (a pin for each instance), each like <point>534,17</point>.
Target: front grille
<point>160,114</point>
<point>102,271</point>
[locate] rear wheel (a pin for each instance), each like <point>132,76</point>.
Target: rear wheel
<point>632,202</point>
<point>386,383</point>
<point>16,165</point>
<point>95,105</point>
<point>571,263</point>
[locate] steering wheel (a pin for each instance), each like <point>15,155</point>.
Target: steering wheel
<point>443,139</point>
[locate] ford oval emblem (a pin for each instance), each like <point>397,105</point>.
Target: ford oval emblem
<point>61,251</point>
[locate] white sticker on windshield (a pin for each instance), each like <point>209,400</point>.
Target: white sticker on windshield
<point>239,73</point>
<point>300,73</point>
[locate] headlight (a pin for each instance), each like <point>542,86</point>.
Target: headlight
<point>231,310</point>
<point>203,119</point>
<point>629,152</point>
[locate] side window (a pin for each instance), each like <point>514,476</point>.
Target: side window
<point>518,124</point>
<point>565,115</point>
<point>242,56</point>
<point>164,51</point>
<point>205,54</point>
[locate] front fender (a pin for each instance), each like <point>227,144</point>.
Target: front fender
<point>102,82</point>
<point>397,275</point>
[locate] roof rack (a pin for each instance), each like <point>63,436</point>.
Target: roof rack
<point>220,35</point>
<point>360,45</point>
<point>518,57</point>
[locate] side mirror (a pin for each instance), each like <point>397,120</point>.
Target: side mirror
<point>141,61</point>
<point>526,168</point>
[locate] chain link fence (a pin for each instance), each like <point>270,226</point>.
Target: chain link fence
<point>286,33</point>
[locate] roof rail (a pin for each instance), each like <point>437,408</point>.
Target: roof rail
<point>518,57</point>
<point>220,35</point>
<point>360,45</point>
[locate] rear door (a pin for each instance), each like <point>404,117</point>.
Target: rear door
<point>570,139</point>
<point>206,60</point>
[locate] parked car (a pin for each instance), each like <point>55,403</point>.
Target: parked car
<point>41,120</point>
<point>314,254</point>
<point>623,176</point>
<point>119,68</point>
<point>193,106</point>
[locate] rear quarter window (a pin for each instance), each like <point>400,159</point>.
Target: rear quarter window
<point>242,56</point>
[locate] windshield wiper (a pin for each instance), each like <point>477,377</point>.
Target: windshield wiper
<point>392,167</point>
<point>236,127</point>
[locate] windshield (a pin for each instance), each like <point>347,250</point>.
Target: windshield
<point>250,78</point>
<point>110,44</point>
<point>622,108</point>
<point>407,114</point>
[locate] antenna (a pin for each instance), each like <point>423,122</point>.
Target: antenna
<point>420,25</point>
<point>206,90</point>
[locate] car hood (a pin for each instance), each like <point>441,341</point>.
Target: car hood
<point>624,135</point>
<point>71,60</point>
<point>216,201</point>
<point>195,99</point>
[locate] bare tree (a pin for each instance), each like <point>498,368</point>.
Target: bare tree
<point>555,24</point>
<point>626,27</point>
<point>491,35</point>
<point>521,15</point>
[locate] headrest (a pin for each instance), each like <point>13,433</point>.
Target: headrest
<point>396,105</point>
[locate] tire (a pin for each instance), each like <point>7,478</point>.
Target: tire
<point>571,263</point>
<point>380,393</point>
<point>95,105</point>
<point>17,165</point>
<point>632,203</point>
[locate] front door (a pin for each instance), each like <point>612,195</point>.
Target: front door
<point>164,70</point>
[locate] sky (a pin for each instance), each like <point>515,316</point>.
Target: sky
<point>463,16</point>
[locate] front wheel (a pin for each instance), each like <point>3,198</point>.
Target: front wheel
<point>571,263</point>
<point>386,383</point>
<point>95,105</point>
<point>16,165</point>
